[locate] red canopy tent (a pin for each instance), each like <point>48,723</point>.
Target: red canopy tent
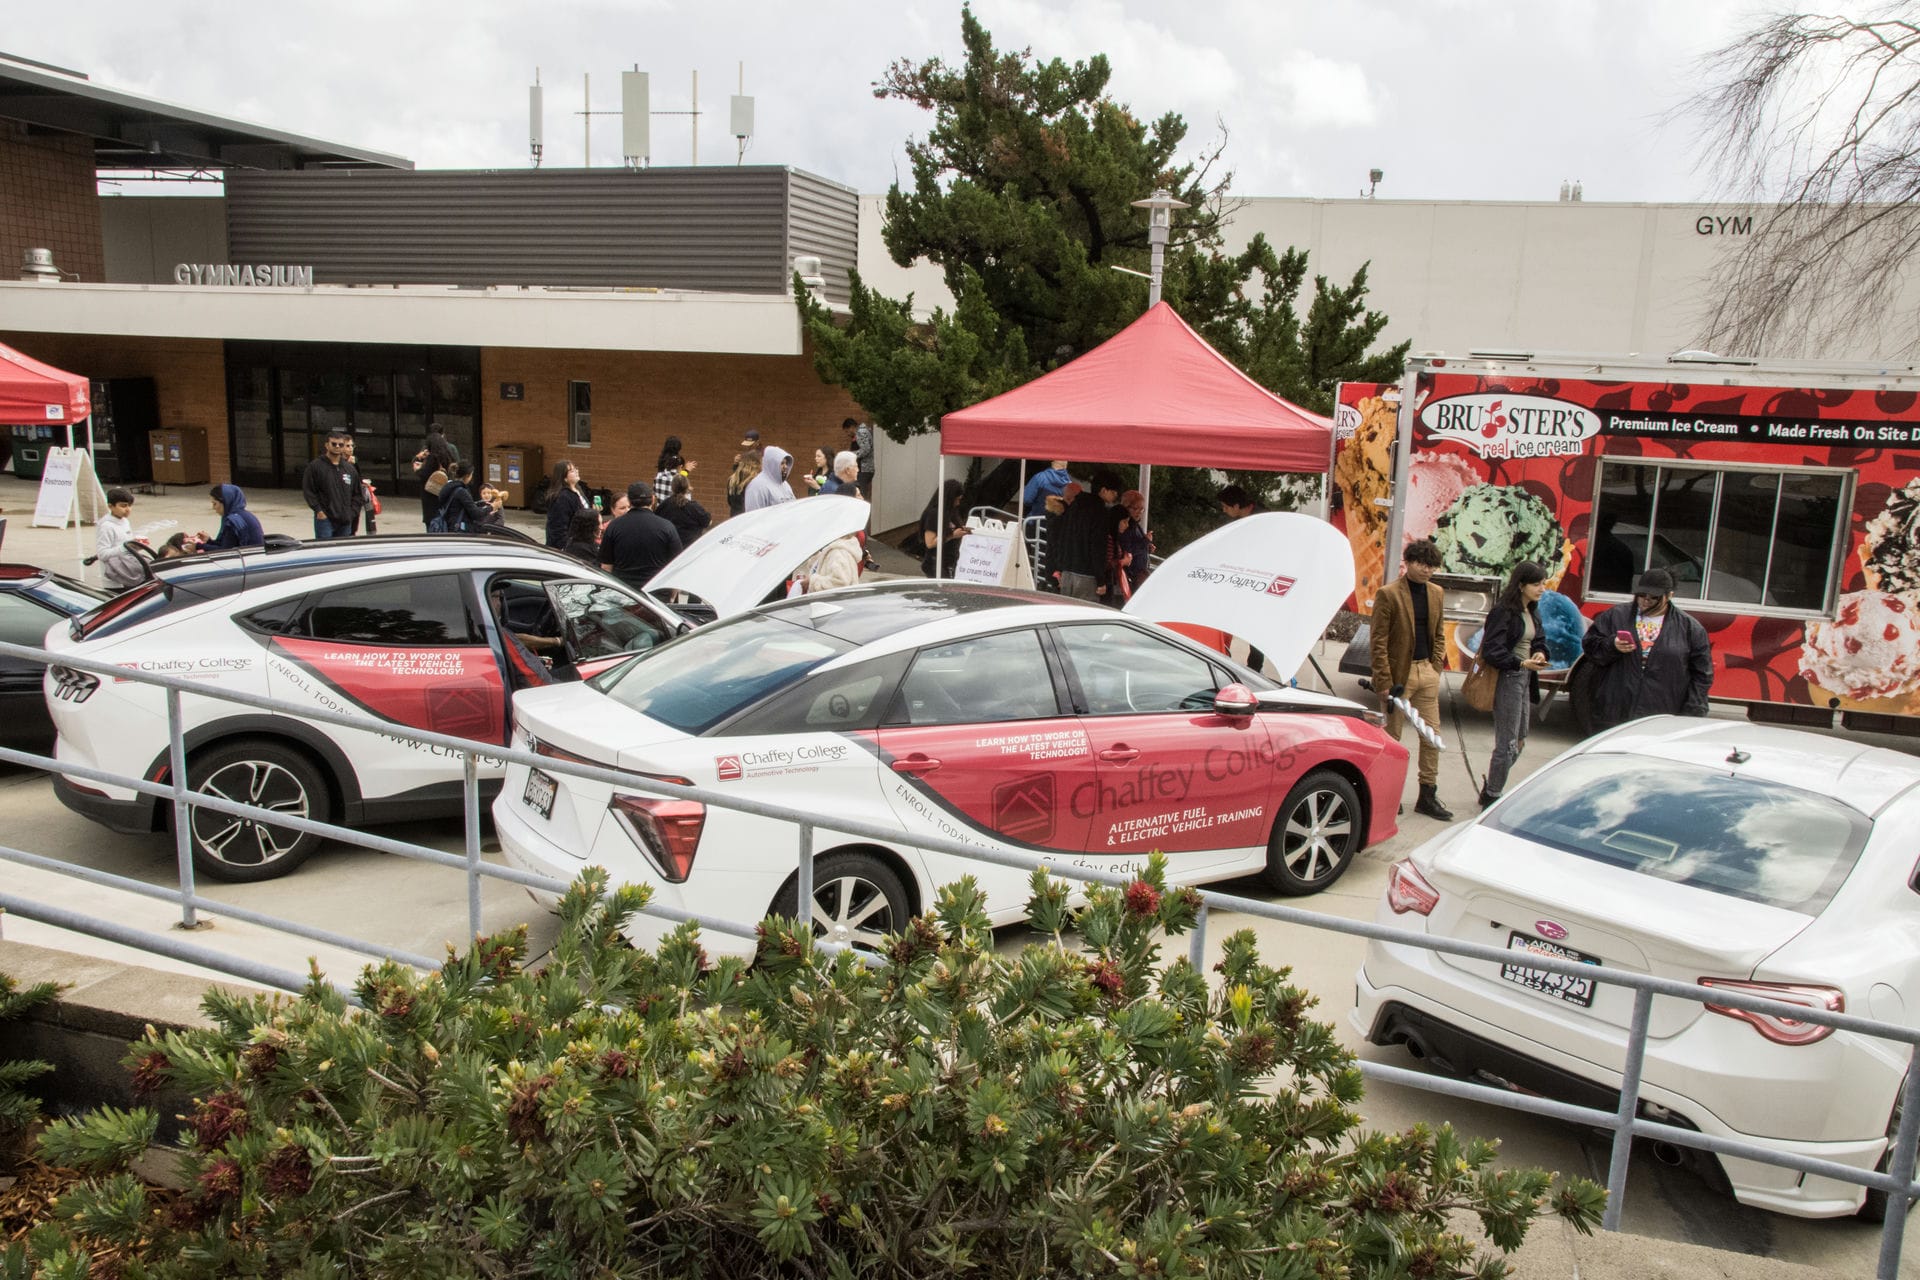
<point>32,392</point>
<point>1153,393</point>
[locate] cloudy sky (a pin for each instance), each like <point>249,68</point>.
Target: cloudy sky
<point>1453,99</point>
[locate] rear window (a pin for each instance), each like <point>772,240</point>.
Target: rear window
<point>1716,831</point>
<point>701,679</point>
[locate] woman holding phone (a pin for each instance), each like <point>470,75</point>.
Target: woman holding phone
<point>1653,659</point>
<point>1514,644</point>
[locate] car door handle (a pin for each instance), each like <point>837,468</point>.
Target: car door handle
<point>1120,753</point>
<point>916,764</point>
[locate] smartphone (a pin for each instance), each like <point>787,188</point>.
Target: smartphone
<point>1624,637</point>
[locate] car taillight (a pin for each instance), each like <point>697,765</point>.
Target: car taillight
<point>72,686</point>
<point>547,749</point>
<point>667,831</point>
<point>1408,890</point>
<point>1774,1027</point>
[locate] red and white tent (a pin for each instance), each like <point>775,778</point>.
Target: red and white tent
<point>1154,393</point>
<point>33,392</point>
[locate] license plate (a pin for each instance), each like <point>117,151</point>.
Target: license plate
<point>1561,986</point>
<point>539,793</point>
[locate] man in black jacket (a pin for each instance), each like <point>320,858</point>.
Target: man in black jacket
<point>639,544</point>
<point>1080,545</point>
<point>1653,660</point>
<point>331,486</point>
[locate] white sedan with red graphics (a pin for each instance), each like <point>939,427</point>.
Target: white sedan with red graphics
<point>431,633</point>
<point>980,714</point>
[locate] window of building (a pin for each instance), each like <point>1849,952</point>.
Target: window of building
<point>1748,538</point>
<point>397,611</point>
<point>579,414</point>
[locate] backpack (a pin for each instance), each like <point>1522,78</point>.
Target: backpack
<point>439,523</point>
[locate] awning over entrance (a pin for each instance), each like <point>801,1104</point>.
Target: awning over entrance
<point>33,392</point>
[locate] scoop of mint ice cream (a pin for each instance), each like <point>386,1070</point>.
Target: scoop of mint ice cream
<point>1491,528</point>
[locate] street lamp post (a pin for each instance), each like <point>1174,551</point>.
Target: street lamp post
<point>1159,206</point>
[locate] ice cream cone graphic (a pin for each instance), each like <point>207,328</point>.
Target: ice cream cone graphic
<point>1867,658</point>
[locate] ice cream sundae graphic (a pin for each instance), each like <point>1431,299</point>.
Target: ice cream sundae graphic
<point>1868,658</point>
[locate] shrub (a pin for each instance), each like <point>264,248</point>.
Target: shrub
<point>1085,1111</point>
<point>18,1108</point>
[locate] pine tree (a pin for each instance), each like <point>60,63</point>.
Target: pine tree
<point>1021,192</point>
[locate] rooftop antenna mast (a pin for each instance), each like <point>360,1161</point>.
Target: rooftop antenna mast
<point>742,117</point>
<point>536,127</point>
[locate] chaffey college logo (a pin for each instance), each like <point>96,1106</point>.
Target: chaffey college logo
<point>729,767</point>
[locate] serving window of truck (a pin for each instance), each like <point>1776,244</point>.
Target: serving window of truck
<point>1784,500</point>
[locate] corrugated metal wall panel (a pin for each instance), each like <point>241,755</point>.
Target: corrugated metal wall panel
<point>823,218</point>
<point>717,229</point>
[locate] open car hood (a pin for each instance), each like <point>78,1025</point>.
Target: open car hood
<point>737,564</point>
<point>1275,580</point>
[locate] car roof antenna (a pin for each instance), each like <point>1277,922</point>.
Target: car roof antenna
<point>1737,756</point>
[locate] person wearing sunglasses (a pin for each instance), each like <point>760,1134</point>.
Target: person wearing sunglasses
<point>1653,658</point>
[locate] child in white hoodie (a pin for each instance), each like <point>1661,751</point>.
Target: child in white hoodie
<point>119,567</point>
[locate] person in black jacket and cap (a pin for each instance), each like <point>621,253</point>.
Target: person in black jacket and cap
<point>1653,659</point>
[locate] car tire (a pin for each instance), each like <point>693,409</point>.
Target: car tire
<point>1315,835</point>
<point>267,774</point>
<point>857,899</point>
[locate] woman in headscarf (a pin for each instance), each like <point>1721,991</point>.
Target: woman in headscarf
<point>945,517</point>
<point>239,527</point>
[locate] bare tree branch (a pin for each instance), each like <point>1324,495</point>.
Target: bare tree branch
<point>1815,119</point>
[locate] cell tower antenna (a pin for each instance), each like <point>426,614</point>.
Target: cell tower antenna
<point>536,126</point>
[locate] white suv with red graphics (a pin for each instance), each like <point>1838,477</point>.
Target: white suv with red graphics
<point>979,714</point>
<point>433,633</point>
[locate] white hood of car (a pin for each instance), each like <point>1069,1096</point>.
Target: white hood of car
<point>737,564</point>
<point>1274,579</point>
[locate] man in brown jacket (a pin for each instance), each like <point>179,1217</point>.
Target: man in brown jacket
<point>1409,654</point>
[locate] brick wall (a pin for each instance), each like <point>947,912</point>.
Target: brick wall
<point>190,376</point>
<point>642,397</point>
<point>48,200</point>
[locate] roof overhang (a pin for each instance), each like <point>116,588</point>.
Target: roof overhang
<point>563,319</point>
<point>130,131</point>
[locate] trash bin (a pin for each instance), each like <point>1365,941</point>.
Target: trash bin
<point>179,455</point>
<point>515,468</point>
<point>30,444</point>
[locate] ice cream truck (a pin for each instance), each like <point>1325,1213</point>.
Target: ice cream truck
<point>1783,498</point>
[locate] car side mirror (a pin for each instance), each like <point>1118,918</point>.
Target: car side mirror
<point>1235,701</point>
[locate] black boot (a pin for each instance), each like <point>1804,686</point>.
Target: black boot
<point>1429,804</point>
<point>1487,801</point>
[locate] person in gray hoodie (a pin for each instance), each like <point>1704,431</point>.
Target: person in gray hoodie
<point>769,488</point>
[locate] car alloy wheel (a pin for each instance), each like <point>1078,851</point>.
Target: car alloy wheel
<point>1316,835</point>
<point>266,776</point>
<point>857,900</point>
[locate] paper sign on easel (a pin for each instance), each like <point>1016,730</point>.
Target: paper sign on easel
<point>993,554</point>
<point>69,490</point>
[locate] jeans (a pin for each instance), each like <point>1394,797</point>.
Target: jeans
<point>1081,586</point>
<point>1512,703</point>
<point>324,528</point>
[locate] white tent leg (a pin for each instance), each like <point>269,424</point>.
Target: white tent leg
<point>940,521</point>
<point>1146,495</point>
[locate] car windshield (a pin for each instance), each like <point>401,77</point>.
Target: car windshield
<point>1714,830</point>
<point>703,678</point>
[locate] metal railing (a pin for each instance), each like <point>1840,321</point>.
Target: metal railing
<point>1624,1122</point>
